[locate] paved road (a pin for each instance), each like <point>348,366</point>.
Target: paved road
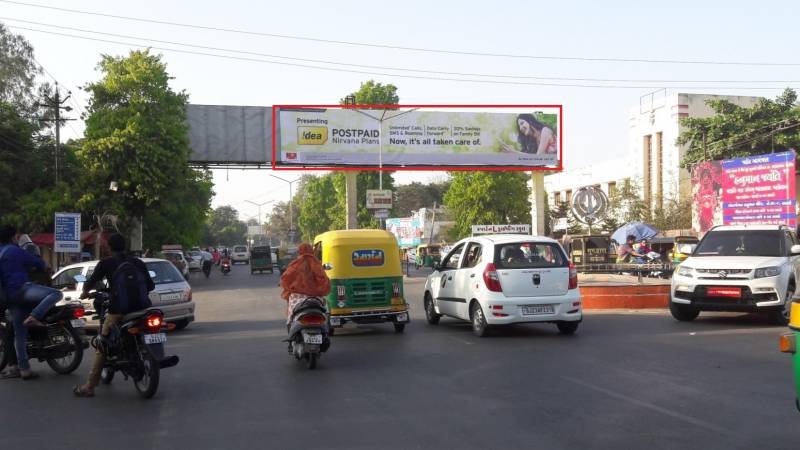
<point>626,380</point>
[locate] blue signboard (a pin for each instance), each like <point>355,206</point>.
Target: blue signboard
<point>68,232</point>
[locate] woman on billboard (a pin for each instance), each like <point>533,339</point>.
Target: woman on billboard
<point>533,136</point>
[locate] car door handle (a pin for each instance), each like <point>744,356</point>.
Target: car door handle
<point>472,275</point>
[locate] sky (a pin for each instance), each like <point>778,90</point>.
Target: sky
<point>595,119</point>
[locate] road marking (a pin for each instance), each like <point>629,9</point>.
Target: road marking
<point>652,407</point>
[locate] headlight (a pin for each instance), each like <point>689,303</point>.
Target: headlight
<point>767,272</point>
<point>685,271</point>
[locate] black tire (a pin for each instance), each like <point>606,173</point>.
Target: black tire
<point>430,311</point>
<point>479,325</point>
<point>107,375</point>
<point>147,385</point>
<point>181,324</point>
<point>781,316</point>
<point>3,354</point>
<point>567,327</point>
<point>683,313</point>
<point>71,361</point>
<point>311,361</point>
<point>399,327</point>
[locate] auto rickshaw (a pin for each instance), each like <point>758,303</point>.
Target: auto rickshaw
<point>284,257</point>
<point>366,277</point>
<point>684,247</point>
<point>788,344</point>
<point>261,259</point>
<point>428,255</point>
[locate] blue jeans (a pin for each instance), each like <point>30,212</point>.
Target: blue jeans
<point>31,299</point>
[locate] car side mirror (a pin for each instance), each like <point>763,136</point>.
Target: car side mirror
<point>328,266</point>
<point>795,250</point>
<point>82,278</point>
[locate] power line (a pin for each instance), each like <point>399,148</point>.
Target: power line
<point>376,73</point>
<point>403,48</point>
<point>402,69</point>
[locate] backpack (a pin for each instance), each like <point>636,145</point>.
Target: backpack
<point>129,288</point>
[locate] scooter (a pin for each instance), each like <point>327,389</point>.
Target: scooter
<point>226,267</point>
<point>309,331</point>
<point>60,342</point>
<point>134,347</point>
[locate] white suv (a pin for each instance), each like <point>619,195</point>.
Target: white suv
<point>505,279</point>
<point>240,253</point>
<point>747,268</point>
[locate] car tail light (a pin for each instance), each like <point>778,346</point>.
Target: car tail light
<point>491,278</point>
<point>341,292</point>
<point>396,288</point>
<point>310,320</point>
<point>153,322</point>
<point>573,276</point>
<point>788,343</point>
<point>77,313</point>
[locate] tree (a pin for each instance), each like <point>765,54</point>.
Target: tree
<point>563,210</point>
<point>319,197</point>
<point>136,135</point>
<point>476,198</point>
<point>278,222</point>
<point>624,205</point>
<point>674,215</point>
<point>372,93</point>
<point>18,69</point>
<point>224,227</point>
<point>735,131</point>
<point>412,197</point>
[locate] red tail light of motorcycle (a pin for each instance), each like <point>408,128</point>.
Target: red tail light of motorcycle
<point>77,313</point>
<point>153,322</point>
<point>312,320</point>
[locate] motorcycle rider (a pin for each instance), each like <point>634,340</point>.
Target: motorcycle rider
<point>105,269</point>
<point>27,302</point>
<point>303,278</point>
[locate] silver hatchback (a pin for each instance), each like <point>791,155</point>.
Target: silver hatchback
<point>172,294</point>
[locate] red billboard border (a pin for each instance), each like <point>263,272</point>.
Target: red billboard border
<point>559,168</point>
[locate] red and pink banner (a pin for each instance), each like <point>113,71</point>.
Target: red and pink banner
<point>759,189</point>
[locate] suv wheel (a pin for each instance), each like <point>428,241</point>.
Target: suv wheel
<point>683,313</point>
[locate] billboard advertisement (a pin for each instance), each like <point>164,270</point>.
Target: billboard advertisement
<point>754,189</point>
<point>418,138</point>
<point>407,230</point>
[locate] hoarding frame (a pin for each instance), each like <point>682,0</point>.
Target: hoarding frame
<point>276,134</point>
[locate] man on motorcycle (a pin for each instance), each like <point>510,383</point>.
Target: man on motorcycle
<point>304,277</point>
<point>106,269</point>
<point>27,302</point>
<point>625,252</point>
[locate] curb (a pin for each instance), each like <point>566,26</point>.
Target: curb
<point>625,297</point>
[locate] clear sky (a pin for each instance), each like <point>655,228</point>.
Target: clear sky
<point>595,119</point>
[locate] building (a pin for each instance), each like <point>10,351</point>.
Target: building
<point>654,158</point>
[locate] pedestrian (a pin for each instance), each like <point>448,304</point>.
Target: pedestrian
<point>136,300</point>
<point>27,302</point>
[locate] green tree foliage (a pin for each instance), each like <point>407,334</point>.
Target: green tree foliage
<point>412,197</point>
<point>674,215</point>
<point>624,205</point>
<point>18,69</point>
<point>476,198</point>
<point>278,222</point>
<point>563,210</point>
<point>223,227</point>
<point>319,197</point>
<point>136,135</point>
<point>372,93</point>
<point>734,131</point>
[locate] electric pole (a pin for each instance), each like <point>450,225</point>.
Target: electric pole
<point>56,103</point>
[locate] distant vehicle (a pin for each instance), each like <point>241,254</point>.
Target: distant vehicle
<point>240,253</point>
<point>746,268</point>
<point>195,260</point>
<point>177,258</point>
<point>504,279</point>
<point>172,294</point>
<point>261,259</point>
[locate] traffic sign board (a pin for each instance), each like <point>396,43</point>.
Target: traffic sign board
<point>67,232</point>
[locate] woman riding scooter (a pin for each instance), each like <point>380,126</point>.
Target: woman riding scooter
<point>303,278</point>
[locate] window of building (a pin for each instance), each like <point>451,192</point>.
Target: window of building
<point>647,169</point>
<point>568,196</point>
<point>557,198</point>
<point>612,188</point>
<point>659,171</point>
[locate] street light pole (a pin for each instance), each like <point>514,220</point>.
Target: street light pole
<point>259,208</point>
<point>291,215</point>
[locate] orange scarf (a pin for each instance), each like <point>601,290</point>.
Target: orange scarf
<point>305,275</point>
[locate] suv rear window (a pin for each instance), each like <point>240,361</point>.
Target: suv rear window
<point>742,243</point>
<point>240,249</point>
<point>528,255</point>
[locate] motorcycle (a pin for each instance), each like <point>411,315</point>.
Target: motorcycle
<point>309,331</point>
<point>60,342</point>
<point>226,267</point>
<point>135,347</point>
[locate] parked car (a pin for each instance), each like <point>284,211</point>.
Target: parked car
<point>172,294</point>
<point>177,258</point>
<point>240,253</point>
<point>746,268</point>
<point>504,279</point>
<point>195,260</point>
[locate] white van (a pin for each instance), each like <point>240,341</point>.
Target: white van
<point>240,253</point>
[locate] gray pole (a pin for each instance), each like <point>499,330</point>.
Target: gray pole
<point>58,131</point>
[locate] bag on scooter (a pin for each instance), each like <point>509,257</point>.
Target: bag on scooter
<point>129,288</point>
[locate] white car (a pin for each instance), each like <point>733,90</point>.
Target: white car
<point>195,259</point>
<point>746,268</point>
<point>172,294</point>
<point>505,279</point>
<point>240,253</point>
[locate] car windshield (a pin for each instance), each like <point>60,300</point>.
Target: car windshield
<point>528,255</point>
<point>239,249</point>
<point>741,243</point>
<point>165,272</point>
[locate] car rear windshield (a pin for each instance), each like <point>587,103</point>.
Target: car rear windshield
<point>165,272</point>
<point>240,249</point>
<point>741,243</point>
<point>529,255</point>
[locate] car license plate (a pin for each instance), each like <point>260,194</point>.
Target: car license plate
<point>728,292</point>
<point>534,310</point>
<point>170,297</point>
<point>402,317</point>
<point>158,338</point>
<point>312,338</point>
<point>77,323</point>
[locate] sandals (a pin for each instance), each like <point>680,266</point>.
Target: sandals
<point>79,391</point>
<point>29,376</point>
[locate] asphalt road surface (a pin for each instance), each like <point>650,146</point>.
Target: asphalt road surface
<point>625,380</point>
